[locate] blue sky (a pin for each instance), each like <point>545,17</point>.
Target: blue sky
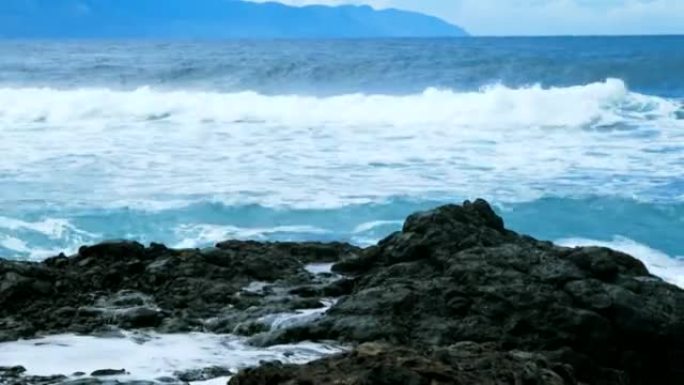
<point>543,17</point>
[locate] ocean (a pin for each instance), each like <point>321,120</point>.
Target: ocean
<point>575,140</point>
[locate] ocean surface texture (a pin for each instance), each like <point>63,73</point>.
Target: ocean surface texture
<point>578,140</point>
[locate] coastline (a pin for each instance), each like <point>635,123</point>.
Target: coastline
<point>454,298</point>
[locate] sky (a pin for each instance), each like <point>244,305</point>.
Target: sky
<point>542,17</point>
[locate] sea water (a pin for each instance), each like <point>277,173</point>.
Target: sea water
<point>189,143</point>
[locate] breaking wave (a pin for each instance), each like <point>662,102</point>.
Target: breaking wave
<point>602,104</point>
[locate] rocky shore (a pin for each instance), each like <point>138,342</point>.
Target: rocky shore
<point>454,298</point>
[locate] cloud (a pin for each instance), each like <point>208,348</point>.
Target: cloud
<point>543,17</point>
<point>569,17</point>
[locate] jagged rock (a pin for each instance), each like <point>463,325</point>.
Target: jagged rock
<point>99,381</point>
<point>373,364</point>
<point>108,372</point>
<point>453,298</point>
<point>12,370</point>
<point>15,375</point>
<point>456,274</point>
<point>203,374</point>
<point>124,284</point>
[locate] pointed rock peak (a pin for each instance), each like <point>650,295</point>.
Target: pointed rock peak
<point>113,248</point>
<point>477,214</point>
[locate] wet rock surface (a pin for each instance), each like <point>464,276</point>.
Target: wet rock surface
<point>456,274</point>
<point>464,364</point>
<point>203,374</point>
<point>126,285</point>
<point>454,298</point>
<point>108,372</point>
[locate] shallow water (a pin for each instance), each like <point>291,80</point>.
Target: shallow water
<point>152,356</point>
<point>149,356</point>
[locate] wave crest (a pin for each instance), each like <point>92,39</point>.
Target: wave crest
<point>597,104</point>
<point>667,267</point>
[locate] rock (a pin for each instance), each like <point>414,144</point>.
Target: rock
<point>108,372</point>
<point>250,328</point>
<point>339,288</point>
<point>86,381</point>
<point>44,380</point>
<point>126,285</point>
<point>100,381</point>
<point>140,317</point>
<point>457,274</point>
<point>127,299</point>
<point>113,249</point>
<point>16,287</point>
<point>11,371</point>
<point>305,303</point>
<point>453,298</point>
<point>306,291</point>
<point>386,365</point>
<point>167,380</point>
<point>305,252</point>
<point>203,374</point>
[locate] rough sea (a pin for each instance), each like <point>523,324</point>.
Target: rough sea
<point>575,140</point>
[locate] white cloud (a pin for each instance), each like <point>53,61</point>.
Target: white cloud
<point>569,17</point>
<point>543,17</point>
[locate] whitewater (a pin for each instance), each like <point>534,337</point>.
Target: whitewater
<point>192,143</point>
<point>148,151</point>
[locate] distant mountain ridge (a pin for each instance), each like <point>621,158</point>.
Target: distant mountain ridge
<point>209,19</point>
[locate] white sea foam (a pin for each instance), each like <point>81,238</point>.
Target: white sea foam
<point>24,248</point>
<point>670,268</point>
<point>149,356</point>
<point>168,148</point>
<point>203,235</point>
<point>297,318</point>
<point>368,226</point>
<point>164,150</point>
<point>603,103</point>
<point>37,240</point>
<point>319,268</point>
<point>52,227</point>
<point>14,244</point>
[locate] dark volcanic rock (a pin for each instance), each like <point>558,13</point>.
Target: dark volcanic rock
<point>203,374</point>
<point>14,375</point>
<point>140,317</point>
<point>108,372</point>
<point>12,370</point>
<point>99,381</point>
<point>456,274</point>
<point>125,284</point>
<point>373,364</point>
<point>454,298</point>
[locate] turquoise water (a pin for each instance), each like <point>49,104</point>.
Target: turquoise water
<point>577,140</point>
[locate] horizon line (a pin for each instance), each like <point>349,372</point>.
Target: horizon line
<point>309,38</point>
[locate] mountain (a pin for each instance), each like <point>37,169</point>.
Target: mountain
<point>208,19</point>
